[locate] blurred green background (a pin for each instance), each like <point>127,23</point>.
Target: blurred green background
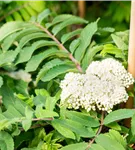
<point>112,13</point>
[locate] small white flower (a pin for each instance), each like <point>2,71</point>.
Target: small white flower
<point>103,86</point>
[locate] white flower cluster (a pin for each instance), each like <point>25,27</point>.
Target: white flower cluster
<point>103,86</point>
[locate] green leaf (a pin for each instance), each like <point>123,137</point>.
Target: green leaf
<point>11,27</point>
<point>26,124</point>
<point>118,115</point>
<point>106,29</point>
<point>115,135</point>
<point>85,40</point>
<point>34,62</point>
<point>61,18</point>
<point>22,137</point>
<point>42,92</point>
<point>76,127</point>
<point>32,36</point>
<point>28,113</point>
<point>77,146</point>
<point>7,57</point>
<point>133,125</point>
<point>6,141</point>
<point>1,81</point>
<point>119,42</point>
<point>97,147</point>
<point>50,103</point>
<point>8,41</point>
<point>48,66</point>
<point>4,123</point>
<point>57,70</point>
<point>70,21</point>
<point>43,113</point>
<point>7,96</point>
<point>63,130</point>
<point>111,49</point>
<point>27,52</point>
<point>84,119</point>
<point>107,143</point>
<point>131,136</point>
<point>12,113</point>
<point>90,54</point>
<point>74,44</point>
<point>114,125</point>
<point>38,100</point>
<point>69,35</point>
<point>57,19</point>
<point>43,15</point>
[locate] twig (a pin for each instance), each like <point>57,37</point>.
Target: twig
<point>60,45</point>
<point>98,132</point>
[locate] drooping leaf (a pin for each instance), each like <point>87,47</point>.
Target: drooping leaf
<point>32,36</point>
<point>48,66</point>
<point>85,39</point>
<point>70,21</point>
<point>37,59</point>
<point>57,70</point>
<point>118,115</point>
<point>8,41</point>
<point>77,146</point>
<point>57,19</point>
<point>61,18</point>
<point>11,27</point>
<point>27,52</point>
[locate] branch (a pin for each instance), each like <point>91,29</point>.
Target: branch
<point>60,45</point>
<point>98,132</point>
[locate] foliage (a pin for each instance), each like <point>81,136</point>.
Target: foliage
<point>20,10</point>
<point>31,116</point>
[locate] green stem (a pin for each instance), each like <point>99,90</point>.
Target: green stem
<point>60,45</point>
<point>98,132</point>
